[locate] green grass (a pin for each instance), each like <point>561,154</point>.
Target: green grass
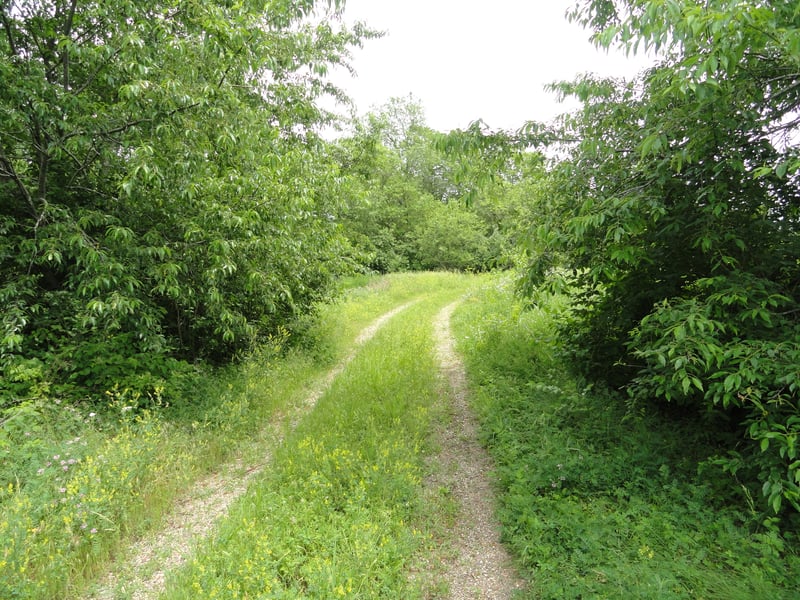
<point>597,502</point>
<point>78,482</point>
<point>338,513</point>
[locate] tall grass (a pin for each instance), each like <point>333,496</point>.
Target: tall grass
<point>597,502</point>
<point>78,482</point>
<point>336,514</point>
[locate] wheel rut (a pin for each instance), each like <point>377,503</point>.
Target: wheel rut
<point>142,574</point>
<point>480,567</point>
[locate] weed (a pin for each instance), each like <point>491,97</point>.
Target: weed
<point>598,502</point>
<point>337,513</point>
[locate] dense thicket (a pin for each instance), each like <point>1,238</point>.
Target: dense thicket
<point>676,211</point>
<point>162,191</point>
<point>413,206</point>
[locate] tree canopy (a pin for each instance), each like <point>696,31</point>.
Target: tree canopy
<point>162,187</point>
<point>676,211</point>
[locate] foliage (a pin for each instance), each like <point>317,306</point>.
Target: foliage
<point>676,213</point>
<point>161,185</point>
<point>77,484</point>
<point>410,205</point>
<point>452,238</point>
<point>597,501</point>
<point>85,494</point>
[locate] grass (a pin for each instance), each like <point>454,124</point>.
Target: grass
<point>597,502</point>
<point>78,482</point>
<point>338,513</point>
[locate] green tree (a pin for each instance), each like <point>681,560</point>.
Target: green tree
<point>161,185</point>
<point>677,210</point>
<point>413,204</point>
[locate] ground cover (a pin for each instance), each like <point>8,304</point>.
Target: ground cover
<point>80,481</point>
<point>338,512</point>
<point>599,502</point>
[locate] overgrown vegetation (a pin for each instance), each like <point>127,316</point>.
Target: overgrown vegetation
<point>167,207</point>
<point>79,483</point>
<point>413,206</point>
<point>162,190</point>
<point>338,513</point>
<point>599,501</point>
<point>671,218</point>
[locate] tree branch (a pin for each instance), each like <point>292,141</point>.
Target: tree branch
<point>9,34</point>
<point>68,33</point>
<point>9,171</point>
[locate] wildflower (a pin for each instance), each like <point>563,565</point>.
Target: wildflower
<point>63,490</point>
<point>40,471</point>
<point>65,467</point>
<point>56,456</point>
<point>91,416</point>
<point>84,525</point>
<point>94,530</point>
<point>27,434</point>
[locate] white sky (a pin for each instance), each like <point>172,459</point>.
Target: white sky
<point>465,59</point>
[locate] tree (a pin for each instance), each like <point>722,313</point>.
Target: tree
<point>161,185</point>
<point>414,204</point>
<point>677,211</point>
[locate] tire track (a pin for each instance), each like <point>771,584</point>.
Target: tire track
<point>481,568</point>
<point>142,575</point>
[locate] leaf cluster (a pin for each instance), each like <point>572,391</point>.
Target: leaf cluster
<point>162,189</point>
<point>675,213</point>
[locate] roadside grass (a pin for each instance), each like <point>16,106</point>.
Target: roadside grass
<point>341,511</point>
<point>79,481</point>
<point>597,502</point>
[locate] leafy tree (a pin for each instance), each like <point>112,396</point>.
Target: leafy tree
<point>161,185</point>
<point>413,204</point>
<point>452,238</point>
<point>677,210</point>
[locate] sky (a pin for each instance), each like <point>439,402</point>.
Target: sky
<point>466,60</point>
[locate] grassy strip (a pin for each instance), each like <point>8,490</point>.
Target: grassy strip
<point>79,481</point>
<point>337,513</point>
<point>596,502</point>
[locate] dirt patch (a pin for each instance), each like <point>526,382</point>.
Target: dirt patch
<point>480,567</point>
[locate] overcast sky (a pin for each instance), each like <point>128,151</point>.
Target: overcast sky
<point>465,59</point>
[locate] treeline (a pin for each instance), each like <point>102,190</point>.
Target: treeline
<point>414,205</point>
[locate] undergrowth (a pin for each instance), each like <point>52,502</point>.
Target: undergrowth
<point>78,480</point>
<point>598,501</point>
